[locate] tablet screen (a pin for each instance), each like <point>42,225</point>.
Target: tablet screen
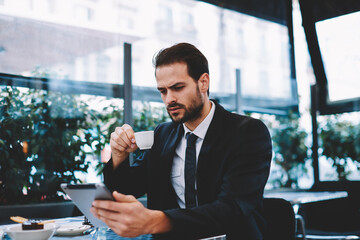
<point>84,194</point>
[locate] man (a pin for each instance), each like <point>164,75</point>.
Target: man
<point>233,155</point>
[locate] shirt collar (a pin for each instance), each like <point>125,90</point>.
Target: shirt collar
<point>202,128</point>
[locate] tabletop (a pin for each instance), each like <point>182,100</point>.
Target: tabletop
<point>301,197</point>
<point>91,233</point>
<point>94,234</point>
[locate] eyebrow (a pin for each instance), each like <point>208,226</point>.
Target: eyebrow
<point>172,86</point>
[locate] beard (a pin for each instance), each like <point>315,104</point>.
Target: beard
<point>193,111</point>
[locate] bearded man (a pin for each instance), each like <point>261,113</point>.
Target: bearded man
<point>221,192</point>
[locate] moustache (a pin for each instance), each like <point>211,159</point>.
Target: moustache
<point>171,105</point>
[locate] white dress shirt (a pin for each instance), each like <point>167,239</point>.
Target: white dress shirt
<point>178,167</point>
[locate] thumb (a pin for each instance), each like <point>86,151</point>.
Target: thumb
<point>119,197</point>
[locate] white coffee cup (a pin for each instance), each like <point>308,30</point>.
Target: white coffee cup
<point>144,140</point>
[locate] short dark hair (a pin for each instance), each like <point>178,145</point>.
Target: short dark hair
<point>196,62</point>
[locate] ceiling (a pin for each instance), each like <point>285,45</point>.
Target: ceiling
<point>272,10</point>
<point>275,10</point>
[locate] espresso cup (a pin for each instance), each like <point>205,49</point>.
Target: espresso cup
<point>144,140</point>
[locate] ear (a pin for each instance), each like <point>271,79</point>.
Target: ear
<point>204,82</point>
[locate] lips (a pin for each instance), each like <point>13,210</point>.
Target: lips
<point>173,109</point>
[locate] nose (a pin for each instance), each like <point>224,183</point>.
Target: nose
<point>169,98</point>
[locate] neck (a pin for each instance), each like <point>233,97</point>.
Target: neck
<point>192,124</point>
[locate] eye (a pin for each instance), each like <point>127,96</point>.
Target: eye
<point>177,88</point>
<point>162,91</point>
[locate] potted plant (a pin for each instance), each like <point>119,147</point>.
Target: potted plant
<point>340,142</point>
<point>45,138</point>
<point>44,141</point>
<point>290,150</point>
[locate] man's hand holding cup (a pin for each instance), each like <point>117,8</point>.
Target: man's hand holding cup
<point>123,141</point>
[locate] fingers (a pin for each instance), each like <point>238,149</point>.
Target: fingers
<point>113,211</point>
<point>123,198</point>
<point>129,132</point>
<point>120,205</point>
<point>122,225</point>
<point>123,139</point>
<point>104,214</point>
<point>126,216</point>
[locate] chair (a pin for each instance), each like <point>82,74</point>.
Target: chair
<point>326,236</point>
<point>318,235</point>
<point>280,217</point>
<point>330,234</point>
<point>302,234</point>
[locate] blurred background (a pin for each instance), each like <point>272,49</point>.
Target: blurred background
<point>73,70</point>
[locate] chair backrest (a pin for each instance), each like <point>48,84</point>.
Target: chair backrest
<point>280,218</point>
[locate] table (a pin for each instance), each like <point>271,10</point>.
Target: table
<point>98,234</point>
<point>302,197</point>
<point>298,197</point>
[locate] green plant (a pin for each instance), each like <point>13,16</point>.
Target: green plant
<point>340,141</point>
<point>43,139</point>
<point>290,150</point>
<point>147,117</point>
<point>46,138</point>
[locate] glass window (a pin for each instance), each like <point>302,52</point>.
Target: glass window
<point>240,43</point>
<point>48,137</point>
<point>69,46</point>
<point>24,4</point>
<point>339,40</point>
<point>235,41</point>
<point>165,22</point>
<point>339,147</point>
<point>52,6</point>
<point>84,13</point>
<point>59,48</point>
<point>188,23</point>
<point>77,47</point>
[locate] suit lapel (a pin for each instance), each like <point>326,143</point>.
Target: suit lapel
<point>209,155</point>
<point>168,198</point>
<point>213,133</point>
<point>168,150</point>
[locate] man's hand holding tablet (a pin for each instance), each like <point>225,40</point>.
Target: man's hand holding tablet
<point>128,217</point>
<point>83,196</point>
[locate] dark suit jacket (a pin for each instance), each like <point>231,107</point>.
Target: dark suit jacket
<point>233,168</point>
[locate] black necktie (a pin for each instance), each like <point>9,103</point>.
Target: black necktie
<point>190,171</point>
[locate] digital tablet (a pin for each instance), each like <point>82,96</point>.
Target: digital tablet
<point>84,194</point>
